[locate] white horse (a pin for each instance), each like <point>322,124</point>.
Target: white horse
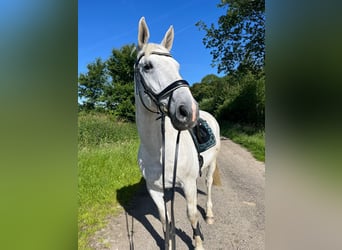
<point>159,89</point>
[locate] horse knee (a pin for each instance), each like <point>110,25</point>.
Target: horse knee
<point>192,215</point>
<point>209,181</point>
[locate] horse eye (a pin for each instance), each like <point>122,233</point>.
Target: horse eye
<point>147,66</point>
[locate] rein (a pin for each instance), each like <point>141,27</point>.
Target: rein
<point>170,232</point>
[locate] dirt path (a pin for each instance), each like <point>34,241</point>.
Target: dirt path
<point>238,206</point>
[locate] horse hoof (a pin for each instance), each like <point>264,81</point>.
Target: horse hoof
<point>209,220</point>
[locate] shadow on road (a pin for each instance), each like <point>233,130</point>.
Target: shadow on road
<point>142,205</point>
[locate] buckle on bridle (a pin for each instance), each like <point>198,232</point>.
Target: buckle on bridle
<point>164,108</point>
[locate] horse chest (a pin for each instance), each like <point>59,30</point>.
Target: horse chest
<point>151,167</point>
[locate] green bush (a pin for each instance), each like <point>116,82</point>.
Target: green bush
<point>238,98</point>
<point>207,104</point>
<point>100,128</point>
<point>125,111</point>
<point>242,108</point>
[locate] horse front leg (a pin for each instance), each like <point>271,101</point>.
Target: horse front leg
<point>157,197</point>
<point>209,181</point>
<point>190,191</point>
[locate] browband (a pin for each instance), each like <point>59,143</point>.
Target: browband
<point>153,53</point>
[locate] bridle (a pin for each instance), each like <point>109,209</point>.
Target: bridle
<point>156,98</point>
<point>163,110</point>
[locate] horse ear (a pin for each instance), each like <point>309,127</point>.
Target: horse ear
<point>168,38</point>
<point>143,34</point>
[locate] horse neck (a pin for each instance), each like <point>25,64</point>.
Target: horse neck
<point>149,127</point>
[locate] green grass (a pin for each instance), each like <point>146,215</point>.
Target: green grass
<point>107,162</point>
<point>95,129</point>
<point>249,137</point>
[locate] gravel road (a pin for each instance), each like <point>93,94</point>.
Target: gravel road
<point>238,205</point>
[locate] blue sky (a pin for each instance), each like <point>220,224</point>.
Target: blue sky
<point>104,25</point>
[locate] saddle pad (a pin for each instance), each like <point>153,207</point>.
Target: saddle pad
<point>202,136</point>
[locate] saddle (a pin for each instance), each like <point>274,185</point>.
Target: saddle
<point>203,138</point>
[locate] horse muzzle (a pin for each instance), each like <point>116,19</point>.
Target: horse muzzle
<point>184,114</point>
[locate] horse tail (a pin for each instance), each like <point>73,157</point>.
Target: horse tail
<point>216,177</point>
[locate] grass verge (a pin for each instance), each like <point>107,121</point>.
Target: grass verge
<point>249,137</point>
<point>107,162</point>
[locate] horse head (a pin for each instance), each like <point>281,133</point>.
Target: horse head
<point>158,81</point>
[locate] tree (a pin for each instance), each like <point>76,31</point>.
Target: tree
<point>109,85</point>
<point>91,84</point>
<point>238,43</point>
<point>120,64</point>
<point>238,98</point>
<point>244,101</point>
<point>212,92</point>
<point>119,94</point>
<point>204,89</point>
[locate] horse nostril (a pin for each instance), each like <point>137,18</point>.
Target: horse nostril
<point>182,111</point>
